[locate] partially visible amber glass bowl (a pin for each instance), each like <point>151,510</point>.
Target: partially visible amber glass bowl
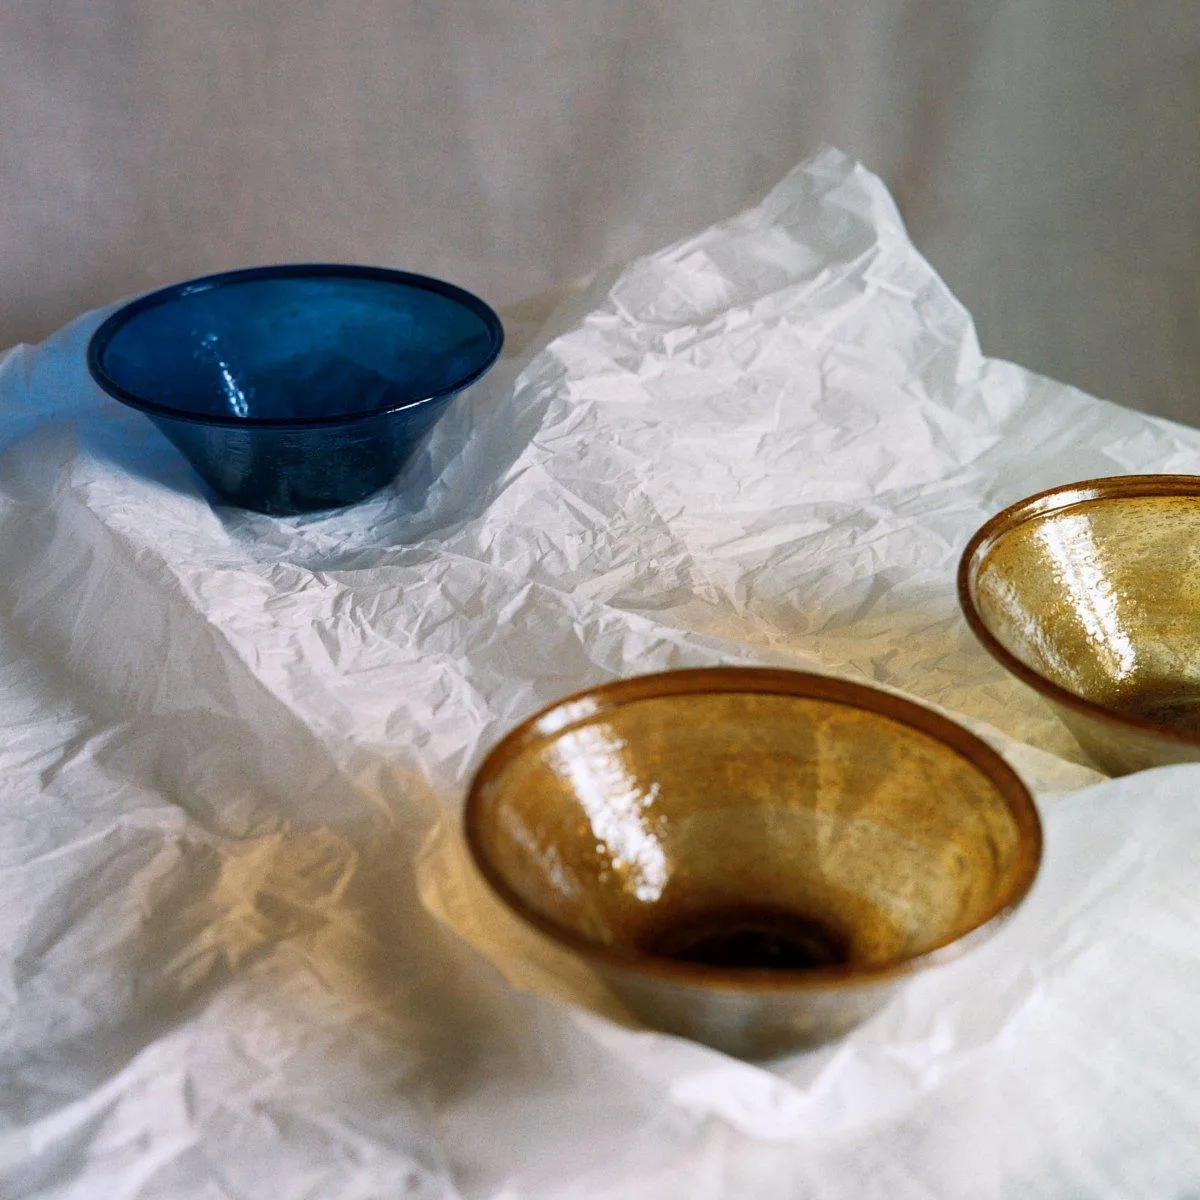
<point>752,858</point>
<point>1090,593</point>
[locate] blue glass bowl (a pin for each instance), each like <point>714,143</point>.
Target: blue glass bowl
<point>296,388</point>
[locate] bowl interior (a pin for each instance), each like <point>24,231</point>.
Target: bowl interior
<point>1102,598</point>
<point>295,344</point>
<point>749,830</point>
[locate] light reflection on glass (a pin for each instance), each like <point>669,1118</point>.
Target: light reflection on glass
<point>567,713</point>
<point>1045,653</point>
<point>1070,544</point>
<point>238,403</point>
<point>617,806</point>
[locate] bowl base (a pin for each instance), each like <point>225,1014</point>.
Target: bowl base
<point>749,937</point>
<point>1167,702</point>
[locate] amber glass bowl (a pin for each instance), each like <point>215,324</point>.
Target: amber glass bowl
<point>752,858</point>
<point>1090,593</point>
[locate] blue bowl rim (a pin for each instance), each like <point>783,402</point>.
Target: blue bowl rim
<point>108,329</point>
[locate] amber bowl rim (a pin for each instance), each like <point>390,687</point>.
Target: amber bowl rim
<point>582,706</point>
<point>1040,504</point>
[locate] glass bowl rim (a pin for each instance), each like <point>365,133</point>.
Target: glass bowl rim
<point>99,341</point>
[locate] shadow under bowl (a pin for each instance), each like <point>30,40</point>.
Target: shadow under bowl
<point>754,859</point>
<point>296,388</point>
<point>1090,593</point>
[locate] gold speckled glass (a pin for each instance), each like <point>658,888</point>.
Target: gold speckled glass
<point>1090,593</point>
<point>753,858</point>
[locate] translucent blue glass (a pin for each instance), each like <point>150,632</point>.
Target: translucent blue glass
<point>296,388</point>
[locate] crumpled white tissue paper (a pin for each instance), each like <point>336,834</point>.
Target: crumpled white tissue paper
<point>243,952</point>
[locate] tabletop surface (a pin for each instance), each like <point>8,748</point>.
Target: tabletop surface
<point>243,953</point>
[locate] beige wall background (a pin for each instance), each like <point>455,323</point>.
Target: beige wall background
<point>1046,153</point>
